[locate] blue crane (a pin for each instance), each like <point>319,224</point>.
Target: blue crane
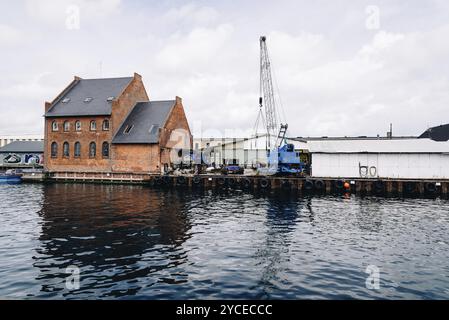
<point>282,157</point>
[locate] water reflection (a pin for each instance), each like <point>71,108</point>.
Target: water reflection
<point>273,255</point>
<point>369,214</point>
<point>113,233</point>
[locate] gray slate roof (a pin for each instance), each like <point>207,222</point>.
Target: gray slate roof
<point>98,89</point>
<point>146,119</point>
<point>23,147</point>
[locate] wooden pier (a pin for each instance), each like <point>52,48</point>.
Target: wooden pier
<point>378,187</point>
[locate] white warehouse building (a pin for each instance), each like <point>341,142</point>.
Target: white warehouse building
<point>398,159</point>
<point>247,152</point>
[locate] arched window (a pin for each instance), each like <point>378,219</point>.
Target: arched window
<point>54,150</point>
<point>78,126</point>
<point>66,126</point>
<point>105,150</point>
<point>54,126</point>
<point>93,125</point>
<point>92,150</point>
<point>66,149</point>
<point>77,152</point>
<point>106,125</point>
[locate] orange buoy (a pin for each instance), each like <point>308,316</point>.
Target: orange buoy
<point>347,186</point>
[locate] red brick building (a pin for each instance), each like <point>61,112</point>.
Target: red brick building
<point>110,125</point>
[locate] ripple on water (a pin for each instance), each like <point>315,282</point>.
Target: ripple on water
<point>132,242</point>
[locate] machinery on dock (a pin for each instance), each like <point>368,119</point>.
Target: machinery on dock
<point>282,157</point>
<point>232,169</point>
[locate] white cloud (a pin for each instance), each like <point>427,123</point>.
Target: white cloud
<point>192,52</point>
<point>56,12</point>
<point>9,35</point>
<point>334,78</point>
<point>193,14</point>
<point>381,42</point>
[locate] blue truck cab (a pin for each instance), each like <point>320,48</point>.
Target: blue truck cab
<point>287,160</point>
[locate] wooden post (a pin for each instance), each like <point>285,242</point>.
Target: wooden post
<point>300,185</point>
<point>274,183</point>
<point>389,187</point>
<point>358,186</point>
<point>368,187</point>
<point>400,186</point>
<point>444,188</point>
<point>255,183</point>
<point>328,186</point>
<point>421,187</point>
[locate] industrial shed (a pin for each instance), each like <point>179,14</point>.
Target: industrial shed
<point>248,152</point>
<point>22,154</point>
<point>398,159</point>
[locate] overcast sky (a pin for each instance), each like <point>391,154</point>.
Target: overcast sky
<point>342,67</point>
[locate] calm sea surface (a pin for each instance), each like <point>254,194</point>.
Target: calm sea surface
<point>133,242</point>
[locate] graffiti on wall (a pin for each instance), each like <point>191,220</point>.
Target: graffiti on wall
<point>27,159</point>
<point>367,171</point>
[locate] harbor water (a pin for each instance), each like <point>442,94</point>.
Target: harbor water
<point>134,242</point>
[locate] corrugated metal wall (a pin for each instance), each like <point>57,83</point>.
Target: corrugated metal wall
<point>382,165</point>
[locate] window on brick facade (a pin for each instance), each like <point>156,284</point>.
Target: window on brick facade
<point>54,126</point>
<point>93,125</point>
<point>77,152</point>
<point>66,149</point>
<point>92,150</point>
<point>105,150</point>
<point>106,125</point>
<point>66,126</point>
<point>54,150</point>
<point>78,126</point>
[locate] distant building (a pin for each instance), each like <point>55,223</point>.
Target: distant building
<point>110,125</point>
<point>6,139</point>
<point>343,157</point>
<point>247,152</point>
<point>19,154</point>
<point>439,133</point>
<point>379,158</point>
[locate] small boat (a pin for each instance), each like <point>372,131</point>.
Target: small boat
<point>10,178</point>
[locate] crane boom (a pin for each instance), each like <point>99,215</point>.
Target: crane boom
<point>267,91</point>
<point>281,156</point>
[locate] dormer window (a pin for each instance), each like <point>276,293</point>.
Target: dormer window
<point>66,100</point>
<point>154,128</point>
<point>110,99</point>
<point>128,129</point>
<point>88,99</point>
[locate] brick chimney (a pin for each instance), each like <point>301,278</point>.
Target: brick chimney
<point>47,106</point>
<point>137,76</point>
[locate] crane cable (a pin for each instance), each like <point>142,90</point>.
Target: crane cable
<point>273,70</point>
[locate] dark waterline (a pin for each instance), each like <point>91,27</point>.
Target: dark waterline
<point>134,242</point>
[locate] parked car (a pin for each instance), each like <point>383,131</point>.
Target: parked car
<point>232,169</point>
